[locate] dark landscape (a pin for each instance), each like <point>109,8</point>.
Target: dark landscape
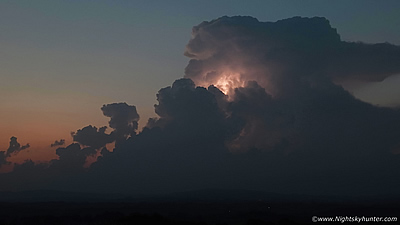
<point>196,207</point>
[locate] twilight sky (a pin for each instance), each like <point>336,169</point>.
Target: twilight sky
<point>61,61</point>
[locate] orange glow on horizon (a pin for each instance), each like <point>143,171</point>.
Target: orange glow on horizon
<point>41,129</point>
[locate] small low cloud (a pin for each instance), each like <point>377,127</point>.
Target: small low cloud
<point>15,147</point>
<point>58,143</point>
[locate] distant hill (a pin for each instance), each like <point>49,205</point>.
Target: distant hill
<point>210,206</point>
<point>56,196</point>
<point>205,195</point>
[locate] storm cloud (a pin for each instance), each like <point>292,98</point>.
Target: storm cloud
<point>283,76</point>
<point>261,107</point>
<point>282,55</point>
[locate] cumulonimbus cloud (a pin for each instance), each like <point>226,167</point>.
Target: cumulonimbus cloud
<point>260,107</point>
<point>281,55</point>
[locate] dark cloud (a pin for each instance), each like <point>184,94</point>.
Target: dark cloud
<point>285,125</point>
<point>3,158</point>
<point>366,62</point>
<point>15,147</point>
<point>123,119</point>
<point>262,110</point>
<point>295,63</point>
<point>58,143</point>
<point>283,56</point>
<point>72,157</point>
<point>93,137</point>
<point>193,109</point>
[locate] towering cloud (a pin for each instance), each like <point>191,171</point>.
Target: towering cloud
<point>260,107</point>
<point>123,119</point>
<point>293,65</point>
<point>282,56</point>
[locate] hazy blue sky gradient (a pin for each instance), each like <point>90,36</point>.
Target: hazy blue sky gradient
<point>61,61</point>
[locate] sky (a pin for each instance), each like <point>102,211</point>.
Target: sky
<point>62,61</point>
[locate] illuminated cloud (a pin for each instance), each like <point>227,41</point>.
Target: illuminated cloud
<point>259,108</point>
<point>275,72</point>
<point>229,51</point>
